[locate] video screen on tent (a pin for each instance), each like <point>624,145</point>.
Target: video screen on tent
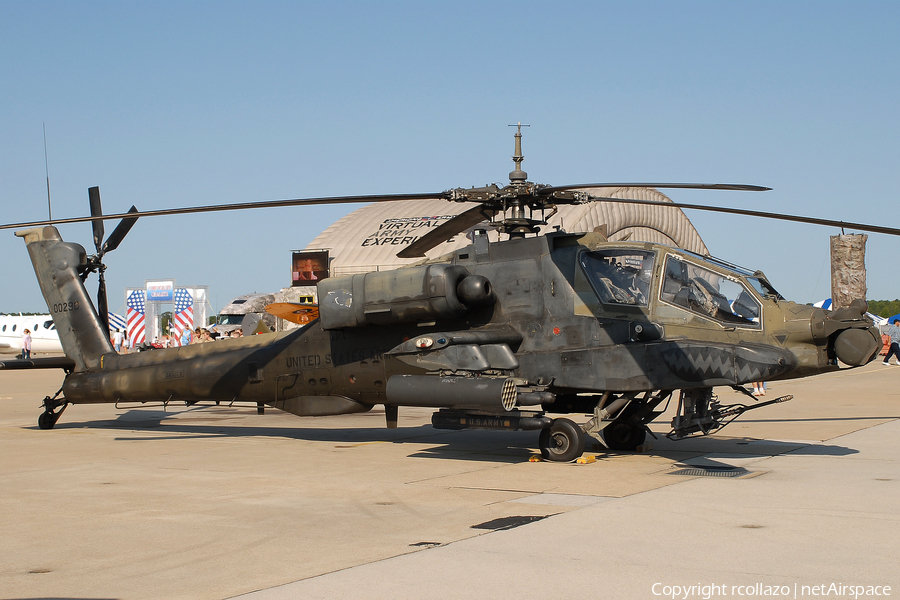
<point>309,268</point>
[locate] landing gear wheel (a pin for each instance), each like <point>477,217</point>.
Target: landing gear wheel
<point>47,420</point>
<point>563,441</point>
<point>623,436</point>
<point>53,410</point>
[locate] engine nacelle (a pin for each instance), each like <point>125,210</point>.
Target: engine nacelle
<point>406,295</point>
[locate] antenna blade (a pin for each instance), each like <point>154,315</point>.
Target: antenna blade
<point>47,169</point>
<point>96,211</point>
<point>119,233</point>
<point>442,233</point>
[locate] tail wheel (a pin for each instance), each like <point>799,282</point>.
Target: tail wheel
<point>47,420</point>
<point>563,441</point>
<point>620,435</point>
<point>53,410</point>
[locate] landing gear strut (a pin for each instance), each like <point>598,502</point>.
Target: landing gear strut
<point>620,422</point>
<point>563,441</point>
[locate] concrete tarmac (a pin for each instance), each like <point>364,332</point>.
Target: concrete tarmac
<point>218,502</point>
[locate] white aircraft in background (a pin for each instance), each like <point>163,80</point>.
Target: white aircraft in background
<point>43,334</point>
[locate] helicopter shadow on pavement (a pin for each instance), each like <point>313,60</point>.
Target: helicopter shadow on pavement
<point>497,446</point>
<point>725,446</point>
<point>155,425</point>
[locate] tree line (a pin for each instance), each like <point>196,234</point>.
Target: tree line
<point>884,308</point>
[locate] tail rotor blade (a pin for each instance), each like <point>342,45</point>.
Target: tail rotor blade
<point>103,305</point>
<point>119,233</point>
<point>96,211</point>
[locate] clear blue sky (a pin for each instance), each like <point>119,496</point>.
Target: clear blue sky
<point>167,104</point>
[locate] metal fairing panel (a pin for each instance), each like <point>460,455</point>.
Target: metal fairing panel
<point>706,363</point>
<point>518,265</point>
<point>661,365</point>
<point>318,406</point>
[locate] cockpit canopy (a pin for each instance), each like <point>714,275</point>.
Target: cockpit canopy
<point>722,292</point>
<point>620,275</point>
<point>709,293</point>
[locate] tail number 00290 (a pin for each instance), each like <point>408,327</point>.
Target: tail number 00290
<point>66,307</point>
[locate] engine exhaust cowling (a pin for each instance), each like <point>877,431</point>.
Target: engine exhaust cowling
<point>406,295</point>
<point>475,290</point>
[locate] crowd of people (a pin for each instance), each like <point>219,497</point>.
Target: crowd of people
<point>188,337</point>
<point>201,334</point>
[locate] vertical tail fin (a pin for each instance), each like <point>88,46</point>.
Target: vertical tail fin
<point>57,265</point>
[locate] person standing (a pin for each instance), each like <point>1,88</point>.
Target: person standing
<point>26,344</point>
<point>893,330</point>
<point>118,338</point>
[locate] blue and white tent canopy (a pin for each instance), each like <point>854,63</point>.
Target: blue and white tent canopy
<point>116,322</point>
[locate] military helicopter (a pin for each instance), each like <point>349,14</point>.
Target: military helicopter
<point>506,335</point>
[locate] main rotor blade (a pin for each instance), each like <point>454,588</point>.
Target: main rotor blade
<point>756,213</point>
<point>447,230</point>
<point>238,206</point>
<point>96,211</point>
<point>734,187</point>
<point>119,233</point>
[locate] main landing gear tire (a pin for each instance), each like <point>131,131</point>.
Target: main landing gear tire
<point>563,441</point>
<point>623,436</point>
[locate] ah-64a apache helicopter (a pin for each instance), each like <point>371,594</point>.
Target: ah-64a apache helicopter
<point>496,335</point>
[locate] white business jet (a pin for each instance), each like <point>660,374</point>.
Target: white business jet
<point>44,337</point>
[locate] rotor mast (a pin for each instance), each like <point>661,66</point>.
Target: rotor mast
<point>517,225</point>
<point>518,174</point>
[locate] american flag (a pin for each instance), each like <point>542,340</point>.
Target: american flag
<point>183,319</point>
<point>134,315</point>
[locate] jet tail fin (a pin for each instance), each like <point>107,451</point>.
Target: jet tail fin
<point>58,266</point>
